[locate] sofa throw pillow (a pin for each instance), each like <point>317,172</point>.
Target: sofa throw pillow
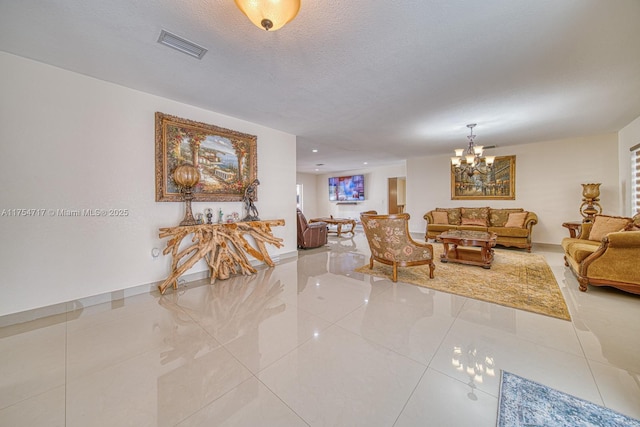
<point>475,216</point>
<point>440,217</point>
<point>604,224</point>
<point>516,219</point>
<point>499,217</point>
<point>474,221</point>
<point>452,213</point>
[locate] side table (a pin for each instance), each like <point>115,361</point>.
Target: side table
<point>574,228</point>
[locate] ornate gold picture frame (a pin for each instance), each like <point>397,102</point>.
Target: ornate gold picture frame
<point>497,183</point>
<point>227,160</point>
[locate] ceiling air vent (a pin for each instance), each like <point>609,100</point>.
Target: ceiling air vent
<point>183,45</point>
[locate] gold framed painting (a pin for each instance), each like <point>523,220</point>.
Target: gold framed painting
<point>482,183</point>
<point>227,160</point>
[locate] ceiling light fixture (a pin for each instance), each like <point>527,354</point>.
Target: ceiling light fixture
<point>269,14</point>
<point>471,160</point>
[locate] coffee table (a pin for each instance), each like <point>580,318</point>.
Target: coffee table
<point>461,246</point>
<point>338,222</point>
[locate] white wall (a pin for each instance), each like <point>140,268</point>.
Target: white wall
<point>375,191</point>
<point>548,182</point>
<point>68,141</point>
<point>309,196</point>
<point>628,137</point>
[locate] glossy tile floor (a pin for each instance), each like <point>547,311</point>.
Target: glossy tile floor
<point>309,342</point>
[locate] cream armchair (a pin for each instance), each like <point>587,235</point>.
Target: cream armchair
<point>391,243</point>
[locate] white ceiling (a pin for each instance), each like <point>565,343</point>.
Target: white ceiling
<point>362,80</point>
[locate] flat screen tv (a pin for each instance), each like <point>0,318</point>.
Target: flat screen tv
<point>346,188</point>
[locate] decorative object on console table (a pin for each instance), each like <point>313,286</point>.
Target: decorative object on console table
<point>224,247</point>
<point>590,206</point>
<point>250,194</point>
<point>227,160</point>
<point>186,177</point>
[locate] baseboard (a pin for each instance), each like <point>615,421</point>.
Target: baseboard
<point>107,297</point>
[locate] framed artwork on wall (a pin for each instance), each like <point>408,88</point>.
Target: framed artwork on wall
<point>496,183</point>
<point>226,159</point>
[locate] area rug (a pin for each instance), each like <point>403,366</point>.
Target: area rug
<point>527,403</point>
<point>516,279</point>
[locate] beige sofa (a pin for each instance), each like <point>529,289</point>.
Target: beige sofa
<point>606,253</point>
<point>513,226</point>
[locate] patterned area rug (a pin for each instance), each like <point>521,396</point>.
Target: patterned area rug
<point>516,279</point>
<point>525,403</point>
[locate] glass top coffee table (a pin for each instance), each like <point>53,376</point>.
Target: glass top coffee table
<point>468,247</point>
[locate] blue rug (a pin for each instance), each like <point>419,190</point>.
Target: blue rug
<point>525,403</point>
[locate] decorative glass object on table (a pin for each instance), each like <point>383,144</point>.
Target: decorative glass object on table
<point>590,198</point>
<point>186,177</point>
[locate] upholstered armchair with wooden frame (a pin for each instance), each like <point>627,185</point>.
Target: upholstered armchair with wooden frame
<point>311,235</point>
<point>606,253</point>
<point>391,243</point>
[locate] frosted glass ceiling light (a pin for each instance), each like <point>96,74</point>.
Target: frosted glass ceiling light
<point>269,14</point>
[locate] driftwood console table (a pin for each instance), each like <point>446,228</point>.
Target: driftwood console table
<point>224,247</point>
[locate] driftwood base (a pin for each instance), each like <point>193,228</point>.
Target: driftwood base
<point>223,246</point>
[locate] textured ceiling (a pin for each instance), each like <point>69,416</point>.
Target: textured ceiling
<point>362,80</point>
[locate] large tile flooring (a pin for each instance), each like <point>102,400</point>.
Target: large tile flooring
<point>310,342</point>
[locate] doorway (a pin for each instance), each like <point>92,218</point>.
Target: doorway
<point>397,189</point>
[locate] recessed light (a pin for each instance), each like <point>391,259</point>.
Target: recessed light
<point>365,163</point>
<point>317,170</point>
<point>314,150</point>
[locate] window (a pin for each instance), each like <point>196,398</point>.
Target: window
<point>299,196</point>
<point>635,179</point>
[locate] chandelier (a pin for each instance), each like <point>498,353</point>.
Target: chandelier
<point>471,160</point>
<point>269,14</point>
